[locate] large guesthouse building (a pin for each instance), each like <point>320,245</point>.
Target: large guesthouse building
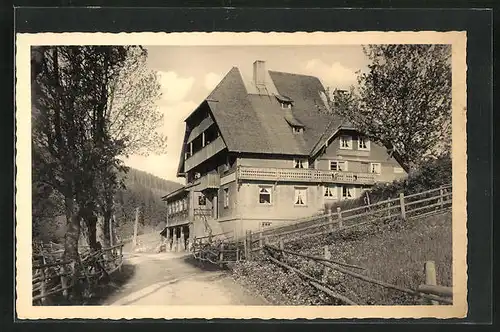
<point>264,149</point>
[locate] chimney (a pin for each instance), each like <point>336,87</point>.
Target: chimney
<point>259,72</point>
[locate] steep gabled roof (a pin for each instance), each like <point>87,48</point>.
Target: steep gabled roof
<point>250,118</point>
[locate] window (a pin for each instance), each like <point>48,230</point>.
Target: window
<point>398,170</point>
<point>375,168</point>
<point>297,130</point>
<point>300,163</point>
<point>330,192</point>
<point>265,195</point>
<point>266,224</point>
<point>336,165</point>
<point>226,197</point>
<point>346,142</point>
<point>363,143</point>
<point>285,105</point>
<point>202,200</point>
<point>300,196</point>
<point>347,192</point>
<point>169,209</point>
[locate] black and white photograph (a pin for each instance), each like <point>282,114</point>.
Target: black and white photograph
<point>241,175</point>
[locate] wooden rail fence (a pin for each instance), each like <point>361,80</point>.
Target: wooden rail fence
<point>277,256</point>
<point>223,248</point>
<point>406,208</point>
<point>54,277</point>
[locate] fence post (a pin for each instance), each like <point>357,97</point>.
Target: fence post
<point>136,225</point>
<point>402,204</point>
<point>64,282</point>
<point>120,251</point>
<point>245,245</point>
<point>430,275</point>
<point>441,196</point>
<point>388,209</point>
<point>221,255</point>
<point>339,217</point>
<point>43,287</point>
<point>261,242</point>
<point>248,240</point>
<point>330,219</point>
<point>282,247</point>
<point>326,270</point>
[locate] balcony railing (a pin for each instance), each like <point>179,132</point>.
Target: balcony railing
<point>206,152</point>
<point>209,181</point>
<point>303,175</point>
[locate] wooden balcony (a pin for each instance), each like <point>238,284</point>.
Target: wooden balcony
<point>209,181</point>
<point>206,152</point>
<point>303,175</point>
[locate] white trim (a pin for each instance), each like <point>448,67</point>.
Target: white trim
<point>379,168</point>
<point>341,137</point>
<point>295,197</point>
<point>367,143</point>
<point>337,161</point>
<point>333,189</point>
<point>270,191</point>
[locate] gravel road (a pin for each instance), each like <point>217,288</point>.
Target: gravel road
<point>175,279</point>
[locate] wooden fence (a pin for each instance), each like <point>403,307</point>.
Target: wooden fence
<point>278,255</point>
<point>223,248</point>
<point>404,207</point>
<point>54,277</point>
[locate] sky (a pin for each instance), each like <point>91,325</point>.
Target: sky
<point>189,73</point>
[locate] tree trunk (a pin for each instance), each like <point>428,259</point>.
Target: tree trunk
<point>71,246</point>
<point>90,222</point>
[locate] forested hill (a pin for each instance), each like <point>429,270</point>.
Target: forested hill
<point>143,190</point>
<point>135,177</point>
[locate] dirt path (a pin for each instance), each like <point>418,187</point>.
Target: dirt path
<point>173,279</point>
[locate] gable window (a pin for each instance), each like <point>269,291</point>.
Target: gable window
<point>265,195</point>
<point>375,168</point>
<point>300,196</point>
<point>285,105</point>
<point>347,192</point>
<point>300,163</point>
<point>297,130</point>
<point>202,200</point>
<point>336,165</point>
<point>226,198</point>
<point>346,142</point>
<point>330,192</point>
<point>363,143</point>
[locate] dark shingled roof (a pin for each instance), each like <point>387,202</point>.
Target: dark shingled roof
<point>256,123</point>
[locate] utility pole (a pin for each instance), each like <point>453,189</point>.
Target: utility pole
<point>136,224</point>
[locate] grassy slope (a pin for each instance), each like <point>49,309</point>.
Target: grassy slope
<point>392,252</point>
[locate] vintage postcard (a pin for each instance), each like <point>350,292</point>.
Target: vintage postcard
<point>241,175</point>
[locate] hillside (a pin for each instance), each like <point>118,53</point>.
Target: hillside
<point>142,190</point>
<point>393,251</point>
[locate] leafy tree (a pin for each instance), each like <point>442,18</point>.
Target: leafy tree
<point>70,140</point>
<point>134,117</point>
<point>404,100</point>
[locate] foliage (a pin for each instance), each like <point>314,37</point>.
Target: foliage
<point>403,101</point>
<point>73,153</point>
<point>133,115</point>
